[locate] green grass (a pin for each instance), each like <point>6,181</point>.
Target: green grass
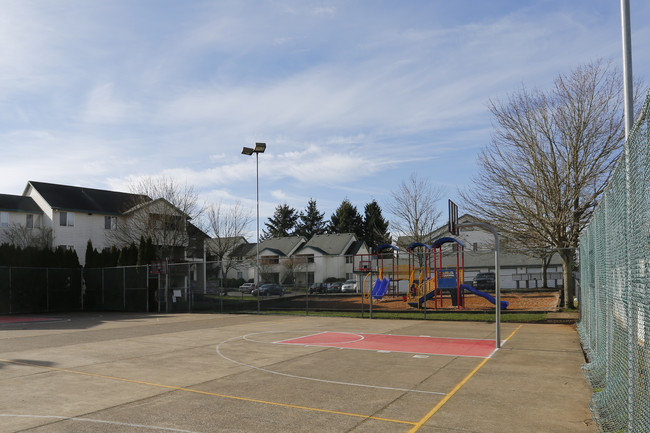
<point>463,317</point>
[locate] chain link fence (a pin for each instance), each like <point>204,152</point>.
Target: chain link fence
<point>28,290</point>
<point>308,285</point>
<point>615,302</point>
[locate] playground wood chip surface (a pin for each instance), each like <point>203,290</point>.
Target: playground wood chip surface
<point>518,301</point>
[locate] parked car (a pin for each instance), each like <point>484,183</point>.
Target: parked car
<point>334,288</point>
<point>247,287</point>
<point>484,281</point>
<point>318,288</point>
<point>268,290</point>
<point>349,286</point>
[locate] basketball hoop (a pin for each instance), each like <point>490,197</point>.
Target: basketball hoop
<point>159,267</point>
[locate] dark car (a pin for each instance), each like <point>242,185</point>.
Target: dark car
<point>318,288</point>
<point>268,290</point>
<point>484,281</point>
<point>334,288</point>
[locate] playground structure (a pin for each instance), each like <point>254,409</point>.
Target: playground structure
<point>424,272</point>
<point>385,264</point>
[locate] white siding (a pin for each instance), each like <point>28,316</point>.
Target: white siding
<point>86,226</point>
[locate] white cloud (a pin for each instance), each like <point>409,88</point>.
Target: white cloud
<point>104,106</point>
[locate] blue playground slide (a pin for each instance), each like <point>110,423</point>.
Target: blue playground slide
<point>423,299</point>
<point>504,304</point>
<point>381,286</point>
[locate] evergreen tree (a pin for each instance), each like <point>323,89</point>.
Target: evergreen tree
<point>110,257</point>
<point>132,254</point>
<point>375,227</point>
<point>310,222</point>
<point>128,256</point>
<point>91,255</point>
<point>146,252</point>
<point>282,223</point>
<point>346,219</point>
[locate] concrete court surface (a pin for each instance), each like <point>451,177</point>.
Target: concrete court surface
<point>127,372</point>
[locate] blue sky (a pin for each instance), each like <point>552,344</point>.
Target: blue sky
<point>351,97</point>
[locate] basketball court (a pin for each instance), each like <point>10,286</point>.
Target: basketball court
<point>206,373</point>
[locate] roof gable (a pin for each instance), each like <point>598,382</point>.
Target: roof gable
<point>74,198</point>
<point>285,245</point>
<point>332,244</point>
<point>243,249</point>
<point>356,247</point>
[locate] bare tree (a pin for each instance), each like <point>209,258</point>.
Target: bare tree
<point>549,160</point>
<point>414,209</point>
<point>293,266</point>
<point>22,236</point>
<point>228,226</point>
<point>159,209</point>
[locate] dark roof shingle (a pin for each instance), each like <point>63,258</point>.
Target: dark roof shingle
<point>75,198</point>
<point>18,203</point>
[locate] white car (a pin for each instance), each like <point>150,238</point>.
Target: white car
<point>247,287</point>
<point>349,286</point>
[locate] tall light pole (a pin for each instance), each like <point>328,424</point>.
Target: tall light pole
<point>259,148</point>
<point>627,68</point>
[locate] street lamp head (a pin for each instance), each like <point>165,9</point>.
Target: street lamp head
<point>260,147</point>
<point>247,151</point>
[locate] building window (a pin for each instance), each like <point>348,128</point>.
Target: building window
<point>66,219</point>
<point>305,259</point>
<point>4,219</point>
<point>110,223</point>
<point>167,222</point>
<point>270,260</point>
<point>32,221</point>
<point>349,259</point>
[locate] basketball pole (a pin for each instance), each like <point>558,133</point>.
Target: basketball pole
<point>497,278</point>
<point>454,229</point>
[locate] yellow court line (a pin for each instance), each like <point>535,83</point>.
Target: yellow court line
<point>214,394</point>
<point>446,398</point>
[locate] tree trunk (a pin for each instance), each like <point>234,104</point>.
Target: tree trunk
<point>544,269</point>
<point>568,264</point>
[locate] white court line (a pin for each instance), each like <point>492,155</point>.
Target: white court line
<point>294,376</point>
<point>279,341</point>
<point>360,338</point>
<point>96,421</point>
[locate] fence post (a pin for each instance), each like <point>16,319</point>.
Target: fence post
<point>167,306</point>
<point>158,293</point>
<point>124,287</point>
<point>11,301</point>
<point>103,300</point>
<point>47,289</point>
<point>188,284</point>
<point>307,286</point>
<point>82,287</point>
<point>146,268</point>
